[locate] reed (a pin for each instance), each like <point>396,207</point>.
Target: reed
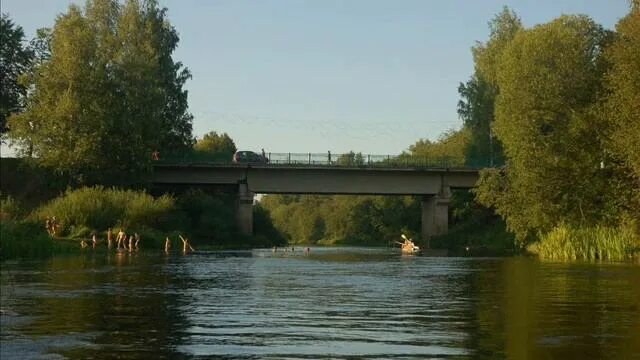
<point>591,243</point>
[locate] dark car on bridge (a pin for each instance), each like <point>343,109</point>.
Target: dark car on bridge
<point>249,157</point>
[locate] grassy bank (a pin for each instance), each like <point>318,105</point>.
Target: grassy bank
<point>595,243</point>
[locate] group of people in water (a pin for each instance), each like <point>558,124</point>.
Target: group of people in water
<point>286,249</point>
<point>132,242</point>
<point>121,241</point>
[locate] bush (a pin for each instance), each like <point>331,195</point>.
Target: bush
<point>10,209</point>
<point>24,239</point>
<point>99,208</point>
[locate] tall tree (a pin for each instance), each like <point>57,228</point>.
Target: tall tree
<point>108,95</point>
<point>15,59</point>
<point>545,120</point>
<point>449,149</point>
<point>478,94</point>
<point>623,83</point>
<point>622,112</point>
<point>218,144</point>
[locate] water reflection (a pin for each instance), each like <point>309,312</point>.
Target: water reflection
<point>339,303</point>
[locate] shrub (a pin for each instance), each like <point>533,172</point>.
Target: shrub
<point>10,209</point>
<point>99,208</point>
<point>24,239</point>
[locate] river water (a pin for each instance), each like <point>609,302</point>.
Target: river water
<point>346,303</point>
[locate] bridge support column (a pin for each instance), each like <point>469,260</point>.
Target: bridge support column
<point>435,216</point>
<point>244,210</point>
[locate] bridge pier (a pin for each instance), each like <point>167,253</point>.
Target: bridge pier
<point>435,215</point>
<point>244,209</point>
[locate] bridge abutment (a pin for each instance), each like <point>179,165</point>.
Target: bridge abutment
<point>244,209</point>
<point>435,215</point>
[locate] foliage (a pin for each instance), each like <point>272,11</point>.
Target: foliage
<point>29,184</point>
<point>23,239</point>
<point>328,220</point>
<point>350,159</point>
<point>621,107</point>
<point>15,59</point>
<point>545,120</point>
<point>10,209</point>
<point>108,95</point>
<point>449,148</point>
<point>210,219</point>
<point>99,208</point>
<point>478,94</point>
<point>264,228</point>
<point>474,230</point>
<point>599,243</point>
<point>219,145</point>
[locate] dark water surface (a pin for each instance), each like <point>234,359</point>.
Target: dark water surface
<point>335,303</point>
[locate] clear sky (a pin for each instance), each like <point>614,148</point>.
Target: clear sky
<point>316,75</point>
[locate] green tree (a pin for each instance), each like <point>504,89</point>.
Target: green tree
<point>622,112</point>
<point>350,159</point>
<point>15,59</point>
<point>623,83</point>
<point>449,149</point>
<point>478,94</point>
<point>220,145</point>
<point>108,95</point>
<point>545,121</point>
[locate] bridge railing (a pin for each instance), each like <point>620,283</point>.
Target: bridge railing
<point>327,159</point>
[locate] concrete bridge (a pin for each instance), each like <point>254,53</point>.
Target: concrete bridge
<point>432,184</point>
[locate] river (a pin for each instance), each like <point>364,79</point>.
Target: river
<point>345,303</point>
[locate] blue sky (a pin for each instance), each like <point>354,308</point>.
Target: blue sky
<point>311,76</point>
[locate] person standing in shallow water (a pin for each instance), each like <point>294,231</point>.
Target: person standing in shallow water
<point>109,238</point>
<point>137,236</point>
<point>186,246</point>
<point>121,238</point>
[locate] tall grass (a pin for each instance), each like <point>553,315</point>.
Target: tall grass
<point>98,208</point>
<point>595,243</point>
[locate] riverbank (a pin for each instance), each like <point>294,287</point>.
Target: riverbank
<point>206,219</point>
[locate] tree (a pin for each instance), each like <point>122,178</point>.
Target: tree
<point>478,94</point>
<point>350,159</point>
<point>15,59</point>
<point>546,122</point>
<point>108,95</point>
<point>622,111</point>
<point>449,149</point>
<point>217,144</point>
<point>623,84</point>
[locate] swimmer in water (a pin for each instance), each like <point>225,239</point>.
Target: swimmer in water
<point>186,246</point>
<point>167,245</point>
